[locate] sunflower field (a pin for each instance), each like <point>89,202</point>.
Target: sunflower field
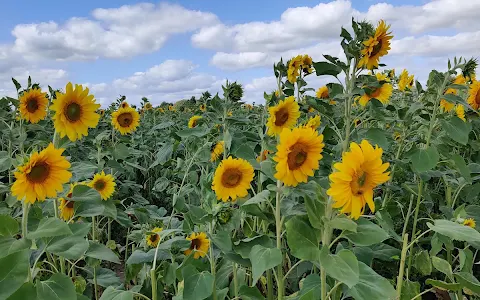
<point>366,188</point>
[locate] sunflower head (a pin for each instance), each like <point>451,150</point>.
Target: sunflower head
<point>283,115</point>
<point>125,120</point>
<point>153,238</point>
<point>446,106</point>
<point>353,181</point>
<point>103,184</point>
<point>381,93</point>
<point>124,104</point>
<point>405,81</point>
<point>232,179</point>
<point>229,113</point>
<point>203,107</point>
<point>198,243</point>
<point>376,46</point>
<point>470,223</point>
<point>460,111</point>
<point>66,206</point>
<point>75,112</point>
<point>171,108</point>
<point>307,64</point>
<point>293,70</point>
<point>263,155</point>
<point>322,92</point>
<point>160,109</point>
<point>314,122</point>
<point>42,176</point>
<point>397,135</point>
<point>216,151</point>
<point>298,154</point>
<point>101,112</point>
<point>391,74</point>
<point>193,122</point>
<point>474,95</point>
<point>148,106</point>
<point>33,105</point>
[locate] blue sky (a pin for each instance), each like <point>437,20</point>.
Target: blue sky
<point>212,40</point>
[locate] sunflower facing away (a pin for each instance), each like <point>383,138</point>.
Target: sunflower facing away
<point>376,46</point>
<point>33,105</point>
<point>314,122</point>
<point>405,81</point>
<point>104,184</point>
<point>460,111</point>
<point>298,154</point>
<point>125,120</point>
<point>66,206</point>
<point>216,151</point>
<point>193,122</point>
<point>42,176</point>
<point>283,115</point>
<point>263,155</point>
<point>352,184</point>
<point>148,106</point>
<point>153,239</point>
<point>75,112</point>
<point>232,179</point>
<point>470,223</point>
<point>474,95</point>
<point>203,107</point>
<point>381,93</point>
<point>198,243</point>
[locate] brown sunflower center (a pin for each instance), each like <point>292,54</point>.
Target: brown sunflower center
<point>99,185</point>
<point>376,48</point>
<point>125,119</point>
<point>297,156</point>
<point>73,112</point>
<point>281,116</point>
<point>153,238</point>
<point>32,105</point>
<point>358,183</point>
<point>69,204</point>
<point>477,97</point>
<point>375,93</point>
<point>194,123</point>
<point>195,244</point>
<point>231,178</point>
<point>39,173</point>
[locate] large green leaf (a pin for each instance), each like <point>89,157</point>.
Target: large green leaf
<point>198,286</point>
<point>113,294</point>
<point>222,240</point>
<point>106,278</point>
<point>8,226</point>
<point>50,227</point>
<point>244,246</point>
<point>57,287</point>
<point>99,251</point>
<point>70,247</point>
<point>377,137</point>
<point>343,223</point>
<point>423,263</point>
<point>444,285</point>
<point>316,211</point>
<point>84,193</point>
<point>469,281</point>
<point>367,234</point>
<point>10,245</point>
<point>13,272</point>
<point>250,293</point>
<point>455,231</point>
<point>424,159</point>
<point>164,154</point>
<point>409,289</point>
<point>326,68</point>
<point>442,266</point>
<point>457,129</point>
<point>342,267</point>
<point>263,259</point>
<point>461,166</point>
<point>371,286</point>
<point>311,288</point>
<point>302,239</point>
<point>26,292</point>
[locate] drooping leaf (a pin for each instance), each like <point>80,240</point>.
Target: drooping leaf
<point>263,259</point>
<point>469,281</point>
<point>455,231</point>
<point>342,267</point>
<point>367,234</point>
<point>70,247</point>
<point>198,286</point>
<point>113,294</point>
<point>57,287</point>
<point>99,251</point>
<point>13,272</point>
<point>456,129</point>
<point>302,239</point>
<point>371,286</point>
<point>50,227</point>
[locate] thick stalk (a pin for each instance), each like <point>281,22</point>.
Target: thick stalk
<point>278,223</point>
<point>109,229</point>
<point>415,220</point>
<point>26,207</point>
<point>326,239</point>
<point>95,286</point>
<point>350,81</point>
<point>153,277</point>
<point>388,192</point>
<point>235,280</point>
<point>212,266</point>
<point>402,266</point>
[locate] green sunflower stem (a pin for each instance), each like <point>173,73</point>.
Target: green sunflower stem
<point>350,81</point>
<point>212,265</point>
<point>402,266</point>
<point>235,280</point>
<point>326,239</point>
<point>278,223</point>
<point>26,207</point>
<point>415,221</point>
<point>109,229</point>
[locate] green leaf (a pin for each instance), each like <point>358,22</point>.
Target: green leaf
<point>198,286</point>
<point>310,288</point>
<point>461,167</point>
<point>113,294</point>
<point>58,287</point>
<point>13,272</point>
<point>250,293</point>
<point>26,292</point>
<point>5,161</point>
<point>245,152</point>
<point>106,278</point>
<point>469,281</point>
<point>263,259</point>
<point>302,239</point>
<point>343,223</point>
<point>442,266</point>
<point>222,240</point>
<point>342,267</point>
<point>259,198</point>
<point>163,154</point>
<point>196,131</point>
<point>409,289</point>
<point>99,251</point>
<point>424,159</point>
<point>245,246</point>
<point>8,226</point>
<point>10,245</point>
<point>121,151</point>
<point>444,285</point>
<point>371,286</point>
<point>83,193</point>
<point>377,137</point>
<point>325,68</point>
<point>50,227</point>
<point>315,210</point>
<point>456,129</point>
<point>423,263</point>
<point>71,247</point>
<point>367,234</point>
<point>455,231</point>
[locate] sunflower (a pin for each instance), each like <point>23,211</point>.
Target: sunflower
<point>171,108</point>
<point>203,107</point>
<point>298,154</point>
<point>314,122</point>
<point>232,179</point>
<point>391,74</point>
<point>33,105</point>
<point>352,184</point>
<point>381,93</point>
<point>193,122</point>
<point>104,184</point>
<point>229,113</point>
<point>198,243</point>
<point>307,63</point>
<point>311,109</point>
<point>75,112</point>
<point>283,115</point>
<point>263,155</point>
<point>101,112</point>
<point>124,104</point>
<point>66,206</point>
<point>446,106</point>
<point>277,93</point>
<point>42,176</point>
<point>474,95</point>
<point>216,151</point>
<point>357,122</point>
<point>376,46</point>
<point>125,120</point>
<point>470,223</point>
<point>154,238</point>
<point>460,111</point>
<point>294,68</point>
<point>322,92</point>
<point>148,106</point>
<point>397,135</point>
<point>405,81</point>
<point>160,109</point>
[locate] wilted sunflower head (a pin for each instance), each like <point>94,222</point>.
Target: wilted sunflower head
<point>198,243</point>
<point>33,105</point>
<point>125,120</point>
<point>314,122</point>
<point>124,104</point>
<point>283,115</point>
